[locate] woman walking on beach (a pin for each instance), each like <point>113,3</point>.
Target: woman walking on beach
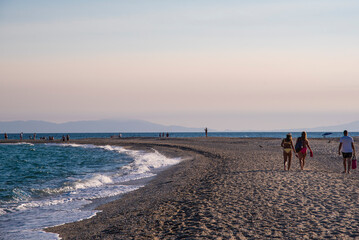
<point>301,147</point>
<point>287,145</point>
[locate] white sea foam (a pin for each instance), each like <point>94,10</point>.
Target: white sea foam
<point>96,181</point>
<point>2,211</point>
<point>72,145</point>
<point>36,204</point>
<point>63,204</point>
<point>107,191</point>
<point>146,162</point>
<point>132,177</point>
<point>19,143</point>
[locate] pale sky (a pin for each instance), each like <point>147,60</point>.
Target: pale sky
<point>240,65</point>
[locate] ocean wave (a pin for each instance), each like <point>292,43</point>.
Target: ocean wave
<point>147,162</point>
<point>63,199</point>
<point>95,181</point>
<point>19,143</point>
<point>20,195</point>
<point>36,204</point>
<point>143,161</point>
<point>72,145</point>
<point>108,191</point>
<point>79,196</point>
<point>96,185</point>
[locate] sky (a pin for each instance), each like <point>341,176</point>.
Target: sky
<point>237,65</point>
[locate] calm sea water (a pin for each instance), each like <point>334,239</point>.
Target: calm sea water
<point>45,185</point>
<point>180,134</point>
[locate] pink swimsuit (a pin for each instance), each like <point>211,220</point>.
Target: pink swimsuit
<point>304,150</point>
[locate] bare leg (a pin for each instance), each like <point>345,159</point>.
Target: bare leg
<point>345,165</point>
<point>301,157</point>
<point>285,160</point>
<point>289,160</point>
<point>349,164</point>
<point>304,160</point>
<point>301,163</point>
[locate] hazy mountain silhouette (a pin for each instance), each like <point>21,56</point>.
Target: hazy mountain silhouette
<point>351,127</point>
<point>90,126</point>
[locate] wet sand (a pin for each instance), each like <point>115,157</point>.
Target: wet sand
<point>231,188</point>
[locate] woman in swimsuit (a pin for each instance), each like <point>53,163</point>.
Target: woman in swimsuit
<point>287,145</point>
<point>301,146</point>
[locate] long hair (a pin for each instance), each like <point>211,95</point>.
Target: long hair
<point>304,136</point>
<point>288,138</point>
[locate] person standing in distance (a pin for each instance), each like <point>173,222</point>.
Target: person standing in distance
<point>347,143</point>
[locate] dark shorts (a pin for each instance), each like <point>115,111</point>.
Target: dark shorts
<point>347,154</point>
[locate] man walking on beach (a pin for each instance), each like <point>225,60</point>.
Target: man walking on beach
<point>348,150</point>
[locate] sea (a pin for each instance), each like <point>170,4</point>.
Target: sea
<point>48,184</point>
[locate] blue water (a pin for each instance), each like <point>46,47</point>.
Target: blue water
<point>45,185</point>
<point>178,134</point>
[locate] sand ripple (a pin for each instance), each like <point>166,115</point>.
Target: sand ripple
<point>234,189</point>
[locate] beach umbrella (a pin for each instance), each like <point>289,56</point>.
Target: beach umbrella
<point>326,134</point>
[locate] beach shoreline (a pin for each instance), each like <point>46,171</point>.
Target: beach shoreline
<point>229,188</point>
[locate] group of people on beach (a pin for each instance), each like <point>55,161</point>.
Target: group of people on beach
<point>162,135</point>
<point>33,137</point>
<point>65,138</point>
<point>346,148</point>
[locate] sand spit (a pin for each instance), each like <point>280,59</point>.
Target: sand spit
<point>231,188</point>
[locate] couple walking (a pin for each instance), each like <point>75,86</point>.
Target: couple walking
<point>346,147</point>
<point>300,150</point>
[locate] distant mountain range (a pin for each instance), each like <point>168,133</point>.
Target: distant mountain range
<point>351,127</point>
<point>131,126</point>
<point>90,126</point>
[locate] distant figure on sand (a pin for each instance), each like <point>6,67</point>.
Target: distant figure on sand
<point>21,135</point>
<point>67,137</point>
<point>5,135</point>
<point>287,145</point>
<point>206,131</point>
<point>348,150</point>
<point>301,147</point>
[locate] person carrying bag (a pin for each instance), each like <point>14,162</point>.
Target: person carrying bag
<point>354,162</point>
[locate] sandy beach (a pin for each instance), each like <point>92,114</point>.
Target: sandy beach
<point>230,188</point>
